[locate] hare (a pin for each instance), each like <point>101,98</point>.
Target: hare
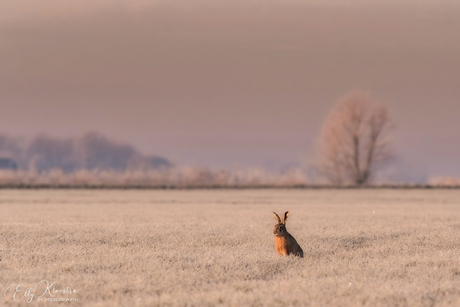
<point>285,243</point>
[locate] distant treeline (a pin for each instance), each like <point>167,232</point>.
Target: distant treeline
<point>153,178</point>
<point>91,151</point>
<point>182,178</point>
<point>94,161</point>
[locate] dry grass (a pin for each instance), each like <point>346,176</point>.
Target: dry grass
<point>211,247</point>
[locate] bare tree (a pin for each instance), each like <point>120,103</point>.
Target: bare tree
<point>354,140</point>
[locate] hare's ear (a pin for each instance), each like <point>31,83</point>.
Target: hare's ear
<point>285,217</point>
<point>277,217</point>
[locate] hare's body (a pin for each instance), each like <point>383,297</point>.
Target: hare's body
<point>285,244</point>
<point>288,245</point>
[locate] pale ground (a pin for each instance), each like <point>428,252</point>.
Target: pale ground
<point>216,247</point>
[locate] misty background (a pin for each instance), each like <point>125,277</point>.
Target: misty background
<point>92,151</point>
<point>223,84</point>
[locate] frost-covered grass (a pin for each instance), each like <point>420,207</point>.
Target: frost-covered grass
<point>211,247</point>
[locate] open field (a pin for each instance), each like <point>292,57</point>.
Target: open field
<point>216,247</point>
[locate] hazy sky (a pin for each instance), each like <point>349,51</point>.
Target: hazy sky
<point>225,83</point>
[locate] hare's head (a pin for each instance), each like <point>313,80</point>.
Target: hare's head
<point>280,228</point>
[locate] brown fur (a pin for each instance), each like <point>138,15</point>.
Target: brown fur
<point>285,244</point>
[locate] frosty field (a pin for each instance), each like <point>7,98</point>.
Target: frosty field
<point>216,247</point>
